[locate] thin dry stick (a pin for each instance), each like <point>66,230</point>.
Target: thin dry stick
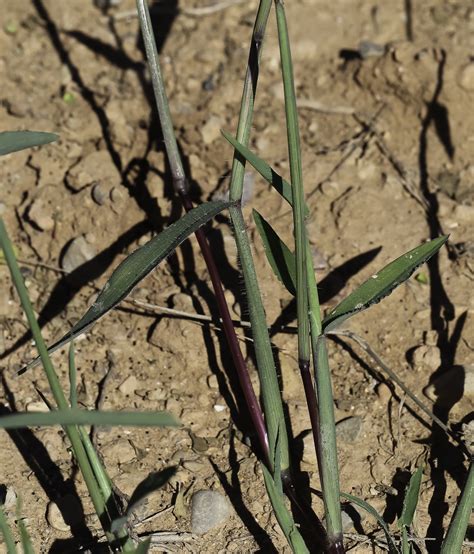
<point>317,106</point>
<point>366,347</point>
<point>193,12</point>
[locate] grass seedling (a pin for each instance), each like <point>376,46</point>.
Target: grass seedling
<point>294,268</point>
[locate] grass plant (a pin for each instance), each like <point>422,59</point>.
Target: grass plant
<point>293,266</point>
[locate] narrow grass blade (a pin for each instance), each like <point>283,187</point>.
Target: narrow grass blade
<point>279,256</point>
<point>392,548</point>
<point>382,283</point>
<point>72,377</point>
<point>327,439</point>
<point>460,520</point>
<point>411,499</point>
<point>25,539</point>
<point>270,389</point>
<point>249,92</point>
<point>7,533</point>
<point>269,174</point>
<point>150,484</point>
<point>88,417</point>
<point>137,266</point>
<point>283,516</point>
<point>14,141</point>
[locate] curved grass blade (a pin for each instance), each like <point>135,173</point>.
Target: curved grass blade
<point>88,417</point>
<point>150,484</point>
<point>25,538</point>
<point>279,256</point>
<point>283,516</point>
<point>460,520</point>
<point>411,499</point>
<point>382,283</point>
<point>6,533</point>
<point>392,548</point>
<point>271,176</point>
<point>137,266</point>
<point>14,141</point>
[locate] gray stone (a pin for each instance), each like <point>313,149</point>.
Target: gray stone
<point>369,49</point>
<point>99,194</point>
<point>466,77</point>
<point>347,430</point>
<point>78,252</point>
<point>209,509</point>
<point>65,512</point>
<point>39,214</point>
<point>211,130</point>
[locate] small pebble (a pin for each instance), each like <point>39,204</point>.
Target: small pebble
<point>211,130</point>
<point>55,518</point>
<point>212,382</point>
<point>466,78</point>
<point>309,451</point>
<point>209,509</point>
<point>194,466</point>
<point>37,406</point>
<point>384,393</point>
<point>77,252</point>
<point>99,194</point>
<point>427,356</point>
<point>10,498</point>
<point>369,49</point>
<point>40,215</point>
<point>349,429</point>
<point>120,451</point>
<point>65,512</point>
<point>129,386</point>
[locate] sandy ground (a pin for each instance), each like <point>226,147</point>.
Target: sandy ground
<point>387,130</point>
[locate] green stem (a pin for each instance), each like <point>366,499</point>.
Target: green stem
<point>296,172</point>
<point>329,470</point>
<point>99,502</point>
<point>7,533</point>
<point>161,99</point>
<point>244,125</point>
<point>460,520</point>
<point>270,390</point>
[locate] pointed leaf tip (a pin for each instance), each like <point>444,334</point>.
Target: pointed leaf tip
<point>381,284</point>
<point>14,141</point>
<point>136,267</point>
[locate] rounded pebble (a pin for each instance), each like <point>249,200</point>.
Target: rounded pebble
<point>349,429</point>
<point>209,509</point>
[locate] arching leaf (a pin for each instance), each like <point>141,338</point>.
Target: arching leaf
<point>137,266</point>
<point>13,141</point>
<point>381,284</point>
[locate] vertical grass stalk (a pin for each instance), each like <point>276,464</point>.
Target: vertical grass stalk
<point>244,125</point>
<point>99,501</point>
<point>305,281</point>
<point>181,187</point>
<point>270,390</point>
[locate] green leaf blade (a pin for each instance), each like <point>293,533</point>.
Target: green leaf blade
<point>411,499</point>
<point>136,267</point>
<point>88,417</point>
<point>392,548</point>
<point>283,515</point>
<point>269,174</point>
<point>14,141</point>
<point>279,256</point>
<point>382,283</point>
